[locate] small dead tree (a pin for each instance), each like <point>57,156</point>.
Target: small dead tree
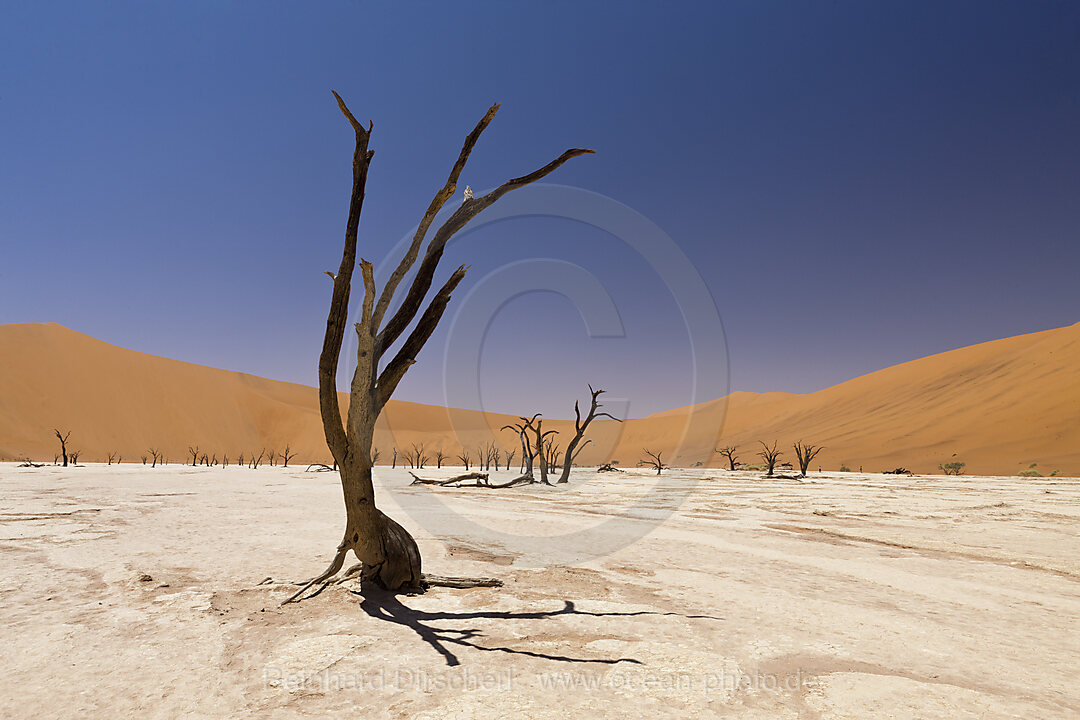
<point>388,554</point>
<point>194,455</point>
<point>63,438</point>
<point>271,454</point>
<point>374,456</point>
<point>528,450</point>
<point>255,461</point>
<point>551,449</point>
<point>769,455</point>
<point>464,457</point>
<point>730,453</point>
<point>440,455</point>
<point>653,460</point>
<point>287,455</point>
<point>806,453</point>
<point>580,427</point>
<point>143,459</point>
<point>393,465</point>
<point>510,457</point>
<point>111,456</point>
<point>225,460</point>
<point>240,460</point>
<point>155,455</point>
<point>74,454</point>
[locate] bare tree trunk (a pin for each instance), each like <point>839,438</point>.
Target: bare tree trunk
<point>63,438</point>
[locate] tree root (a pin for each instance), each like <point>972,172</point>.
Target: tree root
<point>330,572</point>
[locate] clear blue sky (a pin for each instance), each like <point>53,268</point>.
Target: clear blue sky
<point>860,183</point>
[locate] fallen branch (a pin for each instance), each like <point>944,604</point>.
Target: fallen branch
<point>449,481</point>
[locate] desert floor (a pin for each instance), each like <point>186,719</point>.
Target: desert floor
<point>131,592</point>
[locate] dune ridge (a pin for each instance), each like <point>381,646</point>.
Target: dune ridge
<point>997,406</point>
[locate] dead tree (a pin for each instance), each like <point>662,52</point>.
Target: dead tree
<point>155,454</point>
<point>111,456</point>
<point>551,450</point>
<point>510,457</point>
<point>464,458</point>
<point>653,460</point>
<point>63,438</point>
<point>439,457</point>
<point>143,459</point>
<point>74,454</point>
<point>287,455</point>
<point>769,455</point>
<point>580,427</point>
<point>240,460</point>
<point>255,461</point>
<point>388,554</point>
<point>730,453</point>
<point>374,456</point>
<point>805,453</point>
<point>527,452</point>
<point>271,454</point>
<point>393,465</point>
<point>225,460</point>
<point>194,455</point>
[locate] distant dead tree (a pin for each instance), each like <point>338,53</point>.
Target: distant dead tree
<point>528,449</point>
<point>111,456</point>
<point>271,454</point>
<point>730,453</point>
<point>240,460</point>
<point>374,456</point>
<point>540,440</point>
<point>580,427</point>
<point>510,457</point>
<point>255,461</point>
<point>769,455</point>
<point>143,459</point>
<point>74,455</point>
<point>464,458</point>
<point>483,458</point>
<point>653,460</point>
<point>388,554</point>
<point>440,455</point>
<point>63,438</point>
<point>806,453</point>
<point>225,460</point>
<point>155,454</point>
<point>551,450</point>
<point>393,465</point>
<point>287,455</point>
<point>194,455</point>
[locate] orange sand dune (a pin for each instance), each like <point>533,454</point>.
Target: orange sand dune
<point>999,406</point>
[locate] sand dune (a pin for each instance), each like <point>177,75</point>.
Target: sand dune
<point>998,406</point>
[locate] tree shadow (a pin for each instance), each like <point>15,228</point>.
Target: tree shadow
<point>383,605</point>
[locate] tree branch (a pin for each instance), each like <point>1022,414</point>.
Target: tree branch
<point>337,318</point>
<point>468,210</point>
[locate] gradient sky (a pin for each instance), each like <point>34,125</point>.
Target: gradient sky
<point>860,184</point>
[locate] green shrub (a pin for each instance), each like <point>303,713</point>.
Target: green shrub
<point>1030,473</point>
<point>952,468</point>
<point>845,468</point>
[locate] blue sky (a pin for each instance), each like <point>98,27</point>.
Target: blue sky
<point>859,184</point>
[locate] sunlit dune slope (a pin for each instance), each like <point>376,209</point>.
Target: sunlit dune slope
<point>997,406</point>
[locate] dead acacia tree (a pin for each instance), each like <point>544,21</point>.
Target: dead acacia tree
<point>806,453</point>
<point>271,454</point>
<point>74,455</point>
<point>155,454</point>
<point>374,456</point>
<point>551,451</point>
<point>464,457</point>
<point>392,464</point>
<point>769,455</point>
<point>287,455</point>
<point>510,457</point>
<point>653,460</point>
<point>440,455</point>
<point>194,455</point>
<point>527,451</point>
<point>63,438</point>
<point>388,554</point>
<point>580,427</point>
<point>729,453</point>
<point>111,456</point>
